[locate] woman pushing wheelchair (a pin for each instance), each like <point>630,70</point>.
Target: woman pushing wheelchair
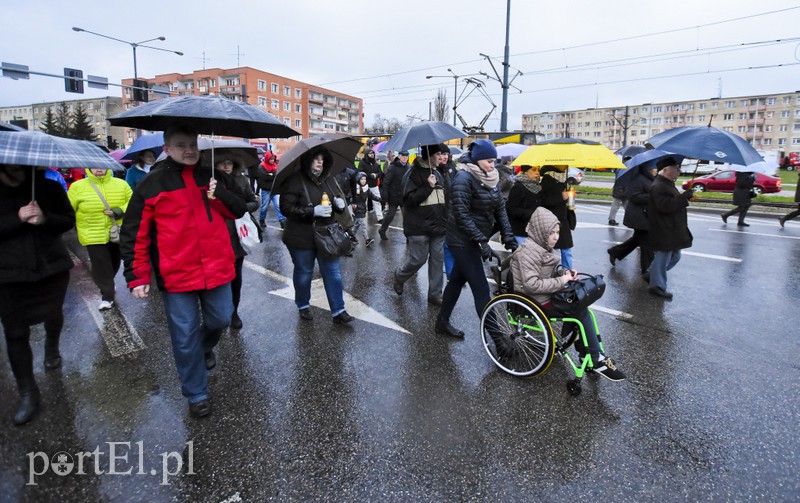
<point>536,272</point>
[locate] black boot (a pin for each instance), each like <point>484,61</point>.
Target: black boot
<point>236,322</point>
<point>444,327</point>
<point>52,357</point>
<point>29,401</point>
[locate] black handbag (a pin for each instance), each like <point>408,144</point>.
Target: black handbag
<point>579,294</point>
<point>330,240</point>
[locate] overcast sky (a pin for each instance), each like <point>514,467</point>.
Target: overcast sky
<point>570,52</point>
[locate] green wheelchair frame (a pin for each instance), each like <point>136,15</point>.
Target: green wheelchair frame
<point>520,339</point>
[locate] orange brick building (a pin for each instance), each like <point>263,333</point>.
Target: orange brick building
<point>304,107</point>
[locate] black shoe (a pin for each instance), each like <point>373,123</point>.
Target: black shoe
<point>52,363</point>
<point>211,360</point>
<point>236,322</point>
<point>28,405</point>
<point>658,292</point>
<point>263,224</point>
<point>342,318</point>
<point>612,222</point>
<point>200,409</point>
<point>436,301</point>
<point>383,235</point>
<point>306,314</point>
<point>283,224</point>
<point>611,257</point>
<point>397,285</point>
<point>646,277</point>
<point>444,327</point>
<point>380,220</point>
<point>52,357</point>
<point>609,370</point>
<point>742,224</point>
<point>724,218</point>
<point>782,221</point>
<point>369,242</point>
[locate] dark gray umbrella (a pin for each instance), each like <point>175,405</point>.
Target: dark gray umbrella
<point>6,126</point>
<point>208,115</point>
<point>630,150</point>
<point>343,148</point>
<point>423,133</point>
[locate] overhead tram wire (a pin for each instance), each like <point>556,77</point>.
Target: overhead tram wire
<point>591,44</point>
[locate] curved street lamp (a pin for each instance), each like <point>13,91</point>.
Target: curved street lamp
<point>134,45</point>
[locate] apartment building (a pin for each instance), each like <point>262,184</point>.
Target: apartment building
<point>97,109</point>
<point>304,107</point>
<point>768,122</point>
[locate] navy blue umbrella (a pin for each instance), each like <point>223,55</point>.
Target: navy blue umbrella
<point>423,133</point>
<point>706,143</point>
<point>646,160</point>
<point>208,115</point>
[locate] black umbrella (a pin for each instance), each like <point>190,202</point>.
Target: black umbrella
<point>423,133</point>
<point>208,115</point>
<point>343,148</point>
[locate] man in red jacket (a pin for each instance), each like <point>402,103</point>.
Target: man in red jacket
<point>175,226</point>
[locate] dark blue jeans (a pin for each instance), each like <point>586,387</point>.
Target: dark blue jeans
<point>303,261</point>
<point>467,268</point>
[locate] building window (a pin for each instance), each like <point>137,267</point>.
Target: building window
<point>262,101</point>
<point>701,118</point>
<point>298,123</point>
<point>768,128</point>
<point>642,132</point>
<point>713,104</point>
<point>795,141</point>
<point>785,114</point>
<point>212,83</point>
<point>770,114</point>
<point>274,88</point>
<point>742,116</point>
<point>742,129</point>
<point>287,106</point>
<point>298,108</point>
<point>770,101</point>
<point>767,141</point>
<point>287,91</point>
<point>782,128</point>
<point>298,93</point>
<point>657,109</point>
<point>781,141</point>
<point>727,117</point>
<point>730,104</point>
<point>744,103</point>
<point>287,121</point>
<point>702,106</point>
<point>262,85</point>
<point>90,106</point>
<point>796,126</point>
<point>276,105</point>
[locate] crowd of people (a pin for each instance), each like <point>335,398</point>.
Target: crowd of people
<point>173,223</point>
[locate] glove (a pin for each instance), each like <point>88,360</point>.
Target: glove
<point>338,202</point>
<point>486,252</point>
<point>511,245</point>
<point>322,211</point>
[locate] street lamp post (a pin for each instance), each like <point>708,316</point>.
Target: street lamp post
<point>455,89</point>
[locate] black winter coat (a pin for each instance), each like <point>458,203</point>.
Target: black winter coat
<point>29,253</point>
<point>299,211</point>
<point>666,215</point>
<point>359,202</point>
<point>637,193</point>
<point>424,207</point>
<point>744,184</point>
<point>473,211</point>
<point>520,207</point>
<point>372,169</point>
<point>553,200</point>
<point>392,183</point>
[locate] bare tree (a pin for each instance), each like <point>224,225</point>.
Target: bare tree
<point>393,125</point>
<point>378,125</point>
<point>441,112</point>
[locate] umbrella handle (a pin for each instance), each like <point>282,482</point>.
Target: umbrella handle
<point>209,193</point>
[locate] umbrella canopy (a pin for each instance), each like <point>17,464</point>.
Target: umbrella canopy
<point>153,142</point>
<point>208,115</point>
<point>379,147</point>
<point>423,133</point>
<point>6,126</point>
<point>648,159</point>
<point>117,156</point>
<point>343,148</point>
<point>572,152</point>
<point>239,150</point>
<point>630,150</point>
<point>34,148</point>
<point>706,143</point>
<point>511,150</point>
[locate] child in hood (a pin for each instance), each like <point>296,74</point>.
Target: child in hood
<point>361,193</point>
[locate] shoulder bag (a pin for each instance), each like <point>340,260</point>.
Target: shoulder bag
<point>113,233</point>
<point>330,240</point>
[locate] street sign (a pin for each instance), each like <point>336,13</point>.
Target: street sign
<point>96,82</point>
<point>14,71</point>
<point>73,81</point>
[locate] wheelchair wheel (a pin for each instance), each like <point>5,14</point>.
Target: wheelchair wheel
<point>517,335</point>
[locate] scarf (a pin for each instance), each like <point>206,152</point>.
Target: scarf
<point>559,176</point>
<point>489,179</point>
<point>531,185</point>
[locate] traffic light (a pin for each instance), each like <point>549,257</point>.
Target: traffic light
<point>70,85</point>
<point>140,91</point>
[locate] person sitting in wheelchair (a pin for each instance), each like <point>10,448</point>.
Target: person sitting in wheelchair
<point>535,269</point>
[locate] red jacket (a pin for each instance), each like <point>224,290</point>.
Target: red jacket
<point>172,225</point>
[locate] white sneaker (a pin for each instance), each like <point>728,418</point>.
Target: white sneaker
<point>105,305</point>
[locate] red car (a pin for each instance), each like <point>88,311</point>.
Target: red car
<point>725,181</point>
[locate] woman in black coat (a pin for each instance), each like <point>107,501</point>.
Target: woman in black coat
<point>742,195</point>
<point>554,198</point>
<point>524,198</point>
<point>637,193</point>
<point>34,273</point>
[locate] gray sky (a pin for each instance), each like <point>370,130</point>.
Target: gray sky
<point>382,51</point>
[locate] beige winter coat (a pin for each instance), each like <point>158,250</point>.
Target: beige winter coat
<point>533,265</point>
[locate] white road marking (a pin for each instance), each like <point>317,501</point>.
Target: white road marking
<point>695,254</point>
<point>756,234</point>
<point>355,307</point>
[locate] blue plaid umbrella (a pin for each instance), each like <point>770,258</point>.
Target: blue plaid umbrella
<point>34,148</point>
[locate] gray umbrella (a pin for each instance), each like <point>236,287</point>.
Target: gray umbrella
<point>343,148</point>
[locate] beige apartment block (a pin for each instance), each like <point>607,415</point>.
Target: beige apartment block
<point>768,122</point>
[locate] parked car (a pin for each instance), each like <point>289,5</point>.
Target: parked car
<point>725,181</point>
<point>574,176</point>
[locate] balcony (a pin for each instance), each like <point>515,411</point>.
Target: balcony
<point>759,108</point>
<point>230,89</point>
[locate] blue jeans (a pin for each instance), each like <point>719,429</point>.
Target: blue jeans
<point>266,197</point>
<point>566,257</point>
<point>192,338</point>
<point>520,239</point>
<point>662,262</point>
<point>303,261</point>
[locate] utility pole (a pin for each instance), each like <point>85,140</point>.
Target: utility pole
<point>625,129</point>
<point>504,111</point>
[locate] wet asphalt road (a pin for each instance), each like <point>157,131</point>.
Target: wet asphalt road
<point>385,410</point>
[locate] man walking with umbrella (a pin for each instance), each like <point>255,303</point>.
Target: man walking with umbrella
<point>669,228</point>
<point>175,225</point>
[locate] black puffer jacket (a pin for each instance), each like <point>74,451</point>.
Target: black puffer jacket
<point>392,183</point>
<point>299,211</point>
<point>33,252</point>
<point>474,209</point>
<point>553,200</point>
<point>521,204</point>
<point>637,193</point>
<point>424,207</point>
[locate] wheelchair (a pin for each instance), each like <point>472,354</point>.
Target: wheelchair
<point>522,340</point>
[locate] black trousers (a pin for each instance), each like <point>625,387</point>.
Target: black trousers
<point>105,261</point>
<point>640,239</point>
<point>236,284</point>
<point>18,337</point>
<point>388,216</point>
<point>741,210</point>
<point>793,214</point>
<point>467,268</point>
